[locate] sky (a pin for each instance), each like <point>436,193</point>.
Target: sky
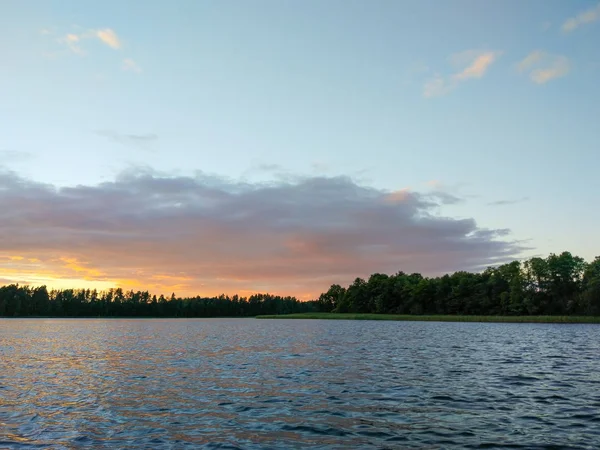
<point>274,146</point>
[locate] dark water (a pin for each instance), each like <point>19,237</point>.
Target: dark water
<point>245,383</point>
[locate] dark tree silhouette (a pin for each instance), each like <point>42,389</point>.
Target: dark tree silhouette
<point>557,285</point>
<point>21,301</point>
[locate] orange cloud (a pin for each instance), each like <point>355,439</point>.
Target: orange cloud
<point>74,265</point>
<point>478,66</point>
<point>34,271</point>
<point>585,17</point>
<point>398,196</point>
<point>543,67</point>
<point>472,63</point>
<point>74,41</point>
<point>109,37</point>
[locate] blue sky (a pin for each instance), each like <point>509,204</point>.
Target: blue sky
<point>491,102</point>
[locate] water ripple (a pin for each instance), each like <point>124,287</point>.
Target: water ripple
<point>249,384</point>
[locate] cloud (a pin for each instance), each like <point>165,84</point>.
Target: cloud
<point>445,198</point>
<point>139,140</point>
<point>74,41</point>
<point>435,184</point>
<point>543,67</point>
<point>206,234</point>
<point>437,86</point>
<point>589,16</point>
<point>130,65</point>
<point>478,67</point>
<point>508,202</point>
<point>266,167</point>
<point>274,171</point>
<point>530,60</point>
<point>109,37</point>
<point>471,64</point>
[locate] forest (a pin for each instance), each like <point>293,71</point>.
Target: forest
<point>25,301</point>
<point>557,285</point>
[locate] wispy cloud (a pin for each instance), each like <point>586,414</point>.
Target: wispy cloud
<point>207,234</point>
<point>543,67</point>
<point>434,184</point>
<point>74,41</point>
<point>585,17</point>
<point>471,64</point>
<point>109,37</point>
<point>508,202</point>
<point>446,194</point>
<point>530,60</point>
<point>478,66</point>
<point>130,65</point>
<point>262,169</point>
<point>277,172</point>
<point>437,86</point>
<point>138,140</point>
<point>270,168</point>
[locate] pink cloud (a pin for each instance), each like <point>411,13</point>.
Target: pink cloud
<point>472,64</point>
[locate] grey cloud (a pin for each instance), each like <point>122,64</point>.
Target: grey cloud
<point>446,198</point>
<point>300,235</point>
<point>508,202</point>
<point>139,140</point>
<point>264,167</point>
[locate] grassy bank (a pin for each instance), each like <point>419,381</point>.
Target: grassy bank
<point>446,318</point>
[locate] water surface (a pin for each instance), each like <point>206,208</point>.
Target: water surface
<point>246,383</point>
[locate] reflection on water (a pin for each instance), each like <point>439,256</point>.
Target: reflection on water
<point>245,383</point>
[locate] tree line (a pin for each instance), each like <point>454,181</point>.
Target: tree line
<point>26,301</point>
<point>557,285</point>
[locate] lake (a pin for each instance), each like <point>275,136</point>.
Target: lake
<point>249,384</point>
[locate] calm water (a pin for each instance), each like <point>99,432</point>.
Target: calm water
<point>245,383</point>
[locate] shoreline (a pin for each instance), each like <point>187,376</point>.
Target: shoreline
<point>437,318</point>
<point>125,317</point>
<point>353,316</point>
